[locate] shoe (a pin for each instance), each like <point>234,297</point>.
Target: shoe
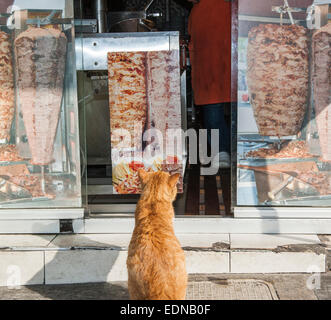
<point>221,161</point>
<point>224,160</point>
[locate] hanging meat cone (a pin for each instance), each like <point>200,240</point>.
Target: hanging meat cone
<point>163,87</point>
<point>127,97</point>
<point>277,78</point>
<point>322,83</point>
<point>40,62</point>
<point>7,106</point>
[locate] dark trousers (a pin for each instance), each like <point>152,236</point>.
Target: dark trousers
<point>214,118</point>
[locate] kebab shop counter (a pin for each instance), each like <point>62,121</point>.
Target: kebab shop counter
<point>39,135</point>
<point>283,143</point>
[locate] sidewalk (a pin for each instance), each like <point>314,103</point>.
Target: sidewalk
<point>65,263</point>
<point>97,258</point>
<point>286,287</point>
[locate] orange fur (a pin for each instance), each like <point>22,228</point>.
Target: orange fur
<point>156,261</point>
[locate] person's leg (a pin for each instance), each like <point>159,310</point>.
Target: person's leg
<point>213,118</point>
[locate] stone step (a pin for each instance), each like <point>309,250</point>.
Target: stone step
<point>85,258</point>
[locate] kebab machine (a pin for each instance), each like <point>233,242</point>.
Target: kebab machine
<point>50,137</point>
<point>124,44</point>
<point>284,154</point>
<point>39,134</point>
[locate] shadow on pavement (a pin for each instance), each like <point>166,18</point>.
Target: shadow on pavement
<point>68,267</point>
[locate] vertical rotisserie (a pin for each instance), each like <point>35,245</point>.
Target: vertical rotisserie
<point>321,49</point>
<point>40,61</point>
<point>277,78</point>
<point>162,89</point>
<point>127,95</point>
<point>7,106</point>
<point>144,89</point>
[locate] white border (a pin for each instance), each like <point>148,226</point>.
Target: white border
<point>41,214</point>
<point>286,213</point>
<point>213,225</point>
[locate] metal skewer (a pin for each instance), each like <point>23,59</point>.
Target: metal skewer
<point>49,18</point>
<point>148,5</point>
<point>43,189</point>
<point>278,144</point>
<point>287,7</point>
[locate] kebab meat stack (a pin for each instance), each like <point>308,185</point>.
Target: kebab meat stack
<point>7,104</point>
<point>144,93</point>
<point>127,97</point>
<point>277,77</point>
<point>162,88</point>
<point>321,48</point>
<point>40,62</point>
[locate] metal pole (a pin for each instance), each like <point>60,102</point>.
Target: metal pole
<point>288,11</point>
<point>168,12</point>
<point>100,9</point>
<point>148,5</point>
<point>43,184</point>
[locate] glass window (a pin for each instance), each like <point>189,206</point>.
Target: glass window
<point>39,140</point>
<point>284,123</point>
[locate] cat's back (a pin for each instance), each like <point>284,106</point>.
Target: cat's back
<point>156,261</point>
<point>153,240</point>
<point>153,237</point>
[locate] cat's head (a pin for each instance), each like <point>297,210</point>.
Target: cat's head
<point>160,186</point>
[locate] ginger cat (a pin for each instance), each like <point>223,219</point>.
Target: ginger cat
<point>156,261</point>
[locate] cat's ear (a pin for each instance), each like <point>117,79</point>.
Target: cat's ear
<point>174,179</point>
<point>143,175</point>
